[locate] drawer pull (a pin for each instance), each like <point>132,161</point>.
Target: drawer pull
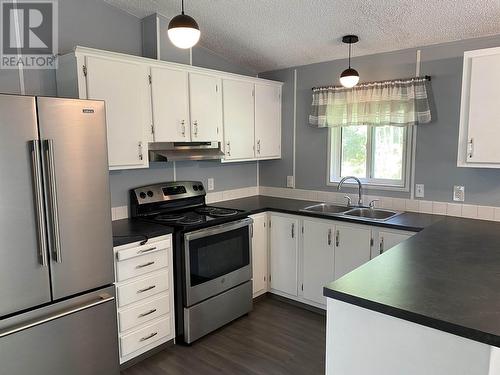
<point>147,313</point>
<point>146,250</point>
<point>146,289</point>
<point>148,336</point>
<point>145,264</point>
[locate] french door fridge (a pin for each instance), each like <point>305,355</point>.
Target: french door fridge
<point>57,309</point>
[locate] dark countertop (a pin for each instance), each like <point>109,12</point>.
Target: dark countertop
<point>446,277</point>
<point>410,221</point>
<point>131,230</point>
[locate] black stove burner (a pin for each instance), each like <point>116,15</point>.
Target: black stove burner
<point>170,217</point>
<point>216,212</point>
<point>190,220</point>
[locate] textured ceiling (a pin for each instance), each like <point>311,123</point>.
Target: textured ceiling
<point>270,34</point>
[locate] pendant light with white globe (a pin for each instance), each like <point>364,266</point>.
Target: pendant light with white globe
<point>183,31</point>
<point>349,77</point>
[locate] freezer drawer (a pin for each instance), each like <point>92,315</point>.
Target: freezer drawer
<point>77,337</point>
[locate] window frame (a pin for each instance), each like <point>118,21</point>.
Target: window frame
<point>334,162</point>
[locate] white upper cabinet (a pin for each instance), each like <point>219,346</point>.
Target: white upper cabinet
<point>170,101</point>
<point>205,107</point>
<point>318,258</point>
<point>480,111</point>
<point>238,98</point>
<point>267,121</point>
<point>158,101</point>
<point>124,86</point>
<point>352,248</point>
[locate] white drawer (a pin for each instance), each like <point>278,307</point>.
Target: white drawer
<point>145,336</point>
<point>150,247</point>
<point>143,312</point>
<point>142,288</point>
<point>141,265</point>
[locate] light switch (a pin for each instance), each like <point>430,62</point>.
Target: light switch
<point>419,190</point>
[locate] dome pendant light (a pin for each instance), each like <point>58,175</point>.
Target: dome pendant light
<point>349,77</point>
<point>183,31</point>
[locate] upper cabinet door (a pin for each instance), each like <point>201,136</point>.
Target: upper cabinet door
<point>267,121</point>
<point>484,111</point>
<point>206,107</point>
<point>238,106</point>
<point>170,99</point>
<point>124,86</point>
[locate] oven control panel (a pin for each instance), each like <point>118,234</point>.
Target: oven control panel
<point>168,191</point>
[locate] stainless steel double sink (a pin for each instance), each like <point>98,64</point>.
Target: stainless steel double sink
<point>361,213</point>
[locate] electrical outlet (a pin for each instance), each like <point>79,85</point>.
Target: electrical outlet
<point>211,184</point>
<point>290,183</point>
<point>419,190</point>
<point>458,193</point>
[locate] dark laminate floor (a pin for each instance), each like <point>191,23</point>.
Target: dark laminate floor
<point>276,338</point>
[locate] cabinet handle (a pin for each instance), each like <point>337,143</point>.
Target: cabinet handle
<point>149,336</point>
<point>470,147</point>
<point>195,126</point>
<point>329,237</point>
<point>293,230</point>
<point>146,250</point>
<point>258,146</point>
<point>381,245</point>
<point>140,151</point>
<point>147,313</point>
<point>228,148</point>
<point>337,238</point>
<point>183,128</point>
<point>146,289</point>
<point>145,264</point>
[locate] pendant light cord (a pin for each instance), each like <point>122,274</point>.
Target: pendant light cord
<point>350,44</point>
<point>182,6</point>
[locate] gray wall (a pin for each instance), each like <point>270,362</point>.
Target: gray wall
<point>436,142</point>
<point>94,23</point>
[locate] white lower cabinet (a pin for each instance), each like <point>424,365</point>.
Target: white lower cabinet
<point>388,239</point>
<point>284,253</point>
<point>260,254</point>
<point>318,258</point>
<point>352,248</point>
<point>145,300</point>
<point>306,253</point>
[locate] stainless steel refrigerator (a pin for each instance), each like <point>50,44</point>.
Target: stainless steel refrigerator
<point>57,309</point>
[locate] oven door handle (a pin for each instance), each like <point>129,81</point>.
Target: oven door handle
<point>221,228</point>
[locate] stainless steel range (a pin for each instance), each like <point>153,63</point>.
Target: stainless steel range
<point>212,255</point>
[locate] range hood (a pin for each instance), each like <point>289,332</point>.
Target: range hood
<point>173,151</point>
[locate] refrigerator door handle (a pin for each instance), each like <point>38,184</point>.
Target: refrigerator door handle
<point>103,298</point>
<point>38,194</point>
<point>51,179</point>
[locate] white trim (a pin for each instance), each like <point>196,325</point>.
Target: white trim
<point>190,56</point>
<point>414,138</point>
<point>258,174</point>
<point>294,153</point>
<point>377,184</point>
<point>158,44</point>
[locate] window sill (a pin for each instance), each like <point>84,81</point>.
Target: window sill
<point>370,186</point>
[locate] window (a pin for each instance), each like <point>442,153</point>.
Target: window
<point>376,155</point>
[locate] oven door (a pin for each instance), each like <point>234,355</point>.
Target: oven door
<point>217,259</point>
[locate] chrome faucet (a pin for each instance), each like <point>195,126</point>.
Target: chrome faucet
<point>360,189</point>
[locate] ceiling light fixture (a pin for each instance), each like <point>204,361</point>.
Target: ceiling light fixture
<point>183,31</point>
<point>349,77</point>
